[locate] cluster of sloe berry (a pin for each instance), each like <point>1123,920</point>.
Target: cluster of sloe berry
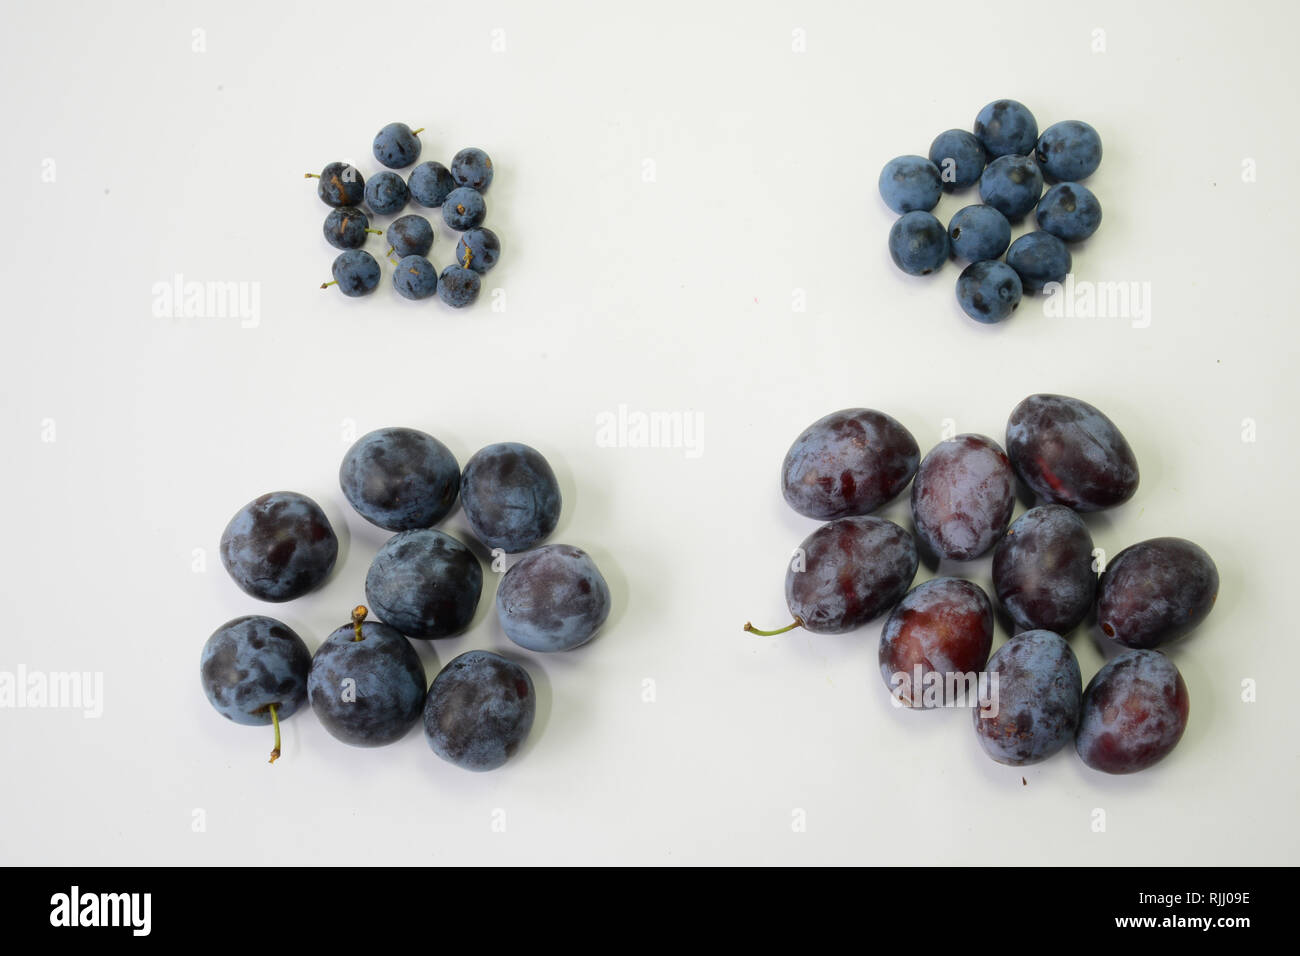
<point>935,644</point>
<point>365,682</point>
<point>457,190</point>
<point>1010,162</point>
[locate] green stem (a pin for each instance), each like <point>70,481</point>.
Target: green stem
<point>798,622</point>
<point>311,175</point>
<point>275,719</point>
<point>358,615</point>
<point>417,132</point>
<point>326,285</point>
<point>377,232</point>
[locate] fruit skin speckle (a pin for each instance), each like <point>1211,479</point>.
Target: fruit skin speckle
<point>479,710</point>
<point>849,462</point>
<point>1040,696</point>
<point>1134,713</point>
<point>853,570</point>
<point>1155,592</point>
<point>1069,453</point>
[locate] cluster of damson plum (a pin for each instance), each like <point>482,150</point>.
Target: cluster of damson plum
<point>456,189</point>
<point>366,683</point>
<point>1028,699</point>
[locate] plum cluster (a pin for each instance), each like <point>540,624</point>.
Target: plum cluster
<point>457,190</point>
<point>365,682</point>
<point>1047,578</point>
<point>1010,162</point>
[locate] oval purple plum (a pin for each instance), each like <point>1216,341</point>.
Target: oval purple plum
<point>1042,570</point>
<point>1156,591</point>
<point>849,463</point>
<point>963,497</point>
<point>1134,713</point>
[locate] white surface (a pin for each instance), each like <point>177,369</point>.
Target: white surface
<point>670,295</point>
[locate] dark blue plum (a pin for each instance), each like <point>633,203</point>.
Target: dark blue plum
<point>340,184</point>
<point>400,479</point>
<point>1042,570</point>
<point>386,193</point>
<point>459,287</point>
<point>959,156</point>
<point>366,683</point>
<point>848,572</point>
<point>1068,151</point>
<point>473,168</point>
<point>355,272</point>
<point>553,599</point>
<point>1039,698</point>
<point>425,583</point>
<point>962,497</point>
<point>1006,128</point>
<point>397,145</point>
<point>935,643</point>
<point>478,250</point>
<point>347,228</point>
<point>1069,453</point>
<point>1069,211</point>
<point>464,209</point>
<point>979,232</point>
<point>253,663</point>
<point>988,291</point>
<point>479,711</point>
<point>410,236</point>
<point>1134,713</point>
<point>1040,259</point>
<point>429,184</point>
<point>1012,185</point>
<point>510,496</point>
<point>414,277</point>
<point>918,243</point>
<point>848,463</point>
<point>910,183</point>
<point>279,546</point>
<point>1156,592</point>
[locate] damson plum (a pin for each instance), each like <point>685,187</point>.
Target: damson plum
<point>510,495</point>
<point>1039,696</point>
<point>553,599</point>
<point>1155,592</point>
<point>936,642</point>
<point>1042,569</point>
<point>846,573</point>
<point>279,546</point>
<point>962,497</point>
<point>1134,713</point>
<point>849,463</point>
<point>425,583</point>
<point>479,710</point>
<point>1069,453</point>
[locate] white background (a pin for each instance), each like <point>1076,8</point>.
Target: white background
<point>673,292</point>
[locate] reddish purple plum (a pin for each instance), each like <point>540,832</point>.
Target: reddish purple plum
<point>849,463</point>
<point>963,497</point>
<point>1042,570</point>
<point>935,643</point>
<point>1134,713</point>
<point>1155,592</point>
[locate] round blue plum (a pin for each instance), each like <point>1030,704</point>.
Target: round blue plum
<point>988,291</point>
<point>341,184</point>
<point>400,479</point>
<point>959,157</point>
<point>1040,259</point>
<point>464,208</point>
<point>1039,699</point>
<point>979,232</point>
<point>414,277</point>
<point>918,243</point>
<point>425,583</point>
<point>479,710</point>
<point>410,236</point>
<point>279,546</point>
<point>459,287</point>
<point>251,664</point>
<point>367,692</point>
<point>473,168</point>
<point>1069,211</point>
<point>1069,151</point>
<point>386,193</point>
<point>553,599</point>
<point>910,183</point>
<point>478,250</point>
<point>510,496</point>
<point>1006,128</point>
<point>397,146</point>
<point>355,272</point>
<point>429,184</point>
<point>346,227</point>
<point>1012,186</point>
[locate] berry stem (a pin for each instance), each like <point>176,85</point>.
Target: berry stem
<point>798,622</point>
<point>469,254</point>
<point>417,132</point>
<point>389,253</point>
<point>358,615</point>
<point>377,232</point>
<point>311,175</point>
<point>326,285</point>
<point>275,720</point>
